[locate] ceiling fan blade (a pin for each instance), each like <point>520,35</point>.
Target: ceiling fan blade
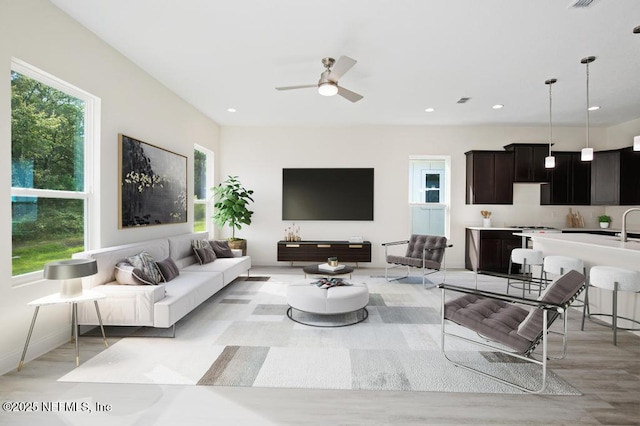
<point>349,95</point>
<point>305,86</point>
<point>343,65</point>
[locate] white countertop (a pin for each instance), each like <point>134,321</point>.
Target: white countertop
<point>604,241</point>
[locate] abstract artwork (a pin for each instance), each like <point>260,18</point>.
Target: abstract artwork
<point>153,184</point>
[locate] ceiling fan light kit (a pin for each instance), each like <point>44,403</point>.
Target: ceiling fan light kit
<point>327,89</point>
<point>328,83</point>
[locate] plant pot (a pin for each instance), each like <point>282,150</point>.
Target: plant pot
<point>604,225</point>
<point>239,245</point>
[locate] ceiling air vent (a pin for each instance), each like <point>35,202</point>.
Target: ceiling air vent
<point>580,3</point>
<point>463,100</point>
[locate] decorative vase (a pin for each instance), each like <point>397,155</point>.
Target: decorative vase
<point>604,225</point>
<point>486,222</point>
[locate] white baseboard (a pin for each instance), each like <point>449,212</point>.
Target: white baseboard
<point>37,347</point>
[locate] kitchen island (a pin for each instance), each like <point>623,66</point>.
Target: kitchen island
<point>604,250</point>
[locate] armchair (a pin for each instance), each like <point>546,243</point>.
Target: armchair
<point>501,319</point>
<point>425,252</point>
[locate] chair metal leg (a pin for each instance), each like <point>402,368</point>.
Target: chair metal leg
<point>614,318</point>
<point>585,308</point>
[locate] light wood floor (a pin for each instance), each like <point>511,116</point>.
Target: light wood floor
<point>608,376</point>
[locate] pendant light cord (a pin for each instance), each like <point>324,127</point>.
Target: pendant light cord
<point>550,122</point>
<point>587,104</point>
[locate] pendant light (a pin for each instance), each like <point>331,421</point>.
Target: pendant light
<point>587,153</point>
<point>550,161</point>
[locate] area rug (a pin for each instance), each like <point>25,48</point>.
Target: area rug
<point>242,337</point>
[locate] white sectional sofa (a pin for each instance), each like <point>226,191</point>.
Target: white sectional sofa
<point>159,305</point>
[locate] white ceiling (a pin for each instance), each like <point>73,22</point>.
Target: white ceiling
<point>412,54</point>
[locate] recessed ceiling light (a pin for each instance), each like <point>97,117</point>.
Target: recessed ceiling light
<point>594,108</point>
<point>498,106</point>
<point>231,110</point>
<point>429,110</point>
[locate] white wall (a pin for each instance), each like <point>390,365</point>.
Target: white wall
<point>132,103</point>
<point>258,154</point>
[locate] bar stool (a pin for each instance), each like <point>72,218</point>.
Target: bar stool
<point>560,265</point>
<point>525,257</point>
<point>613,279</point>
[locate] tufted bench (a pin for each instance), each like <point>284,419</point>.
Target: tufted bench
<point>331,301</point>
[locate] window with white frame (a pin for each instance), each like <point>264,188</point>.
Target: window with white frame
<point>429,178</point>
<point>202,183</point>
<point>54,128</point>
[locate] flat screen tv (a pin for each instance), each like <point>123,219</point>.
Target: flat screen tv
<point>327,194</point>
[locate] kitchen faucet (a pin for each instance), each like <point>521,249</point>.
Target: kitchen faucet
<point>623,234</point>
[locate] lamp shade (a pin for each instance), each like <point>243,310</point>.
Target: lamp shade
<point>68,269</point>
<point>586,154</point>
<point>69,273</point>
<point>549,162</point>
<point>636,143</point>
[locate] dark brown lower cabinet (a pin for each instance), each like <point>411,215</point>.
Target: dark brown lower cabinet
<point>319,251</point>
<point>490,250</point>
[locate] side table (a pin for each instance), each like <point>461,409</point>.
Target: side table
<point>55,299</point>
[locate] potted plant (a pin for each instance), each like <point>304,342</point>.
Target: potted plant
<point>231,209</point>
<point>604,221</point>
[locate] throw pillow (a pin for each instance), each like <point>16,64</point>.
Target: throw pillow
<point>168,269</point>
<point>147,264</point>
<point>221,248</point>
<point>203,251</point>
<point>128,275</point>
<point>205,255</point>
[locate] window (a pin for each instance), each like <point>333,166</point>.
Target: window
<point>202,183</point>
<point>429,194</point>
<point>53,130</point>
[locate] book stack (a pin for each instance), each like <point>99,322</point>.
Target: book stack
<point>328,268</point>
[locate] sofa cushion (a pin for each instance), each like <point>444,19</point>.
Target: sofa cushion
<point>168,269</point>
<point>147,264</point>
<point>127,274</point>
<point>221,248</point>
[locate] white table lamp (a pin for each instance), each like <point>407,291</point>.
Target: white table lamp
<point>70,272</point>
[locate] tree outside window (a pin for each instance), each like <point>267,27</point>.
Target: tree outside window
<point>48,167</point>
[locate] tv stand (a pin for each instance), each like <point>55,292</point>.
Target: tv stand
<point>319,251</point>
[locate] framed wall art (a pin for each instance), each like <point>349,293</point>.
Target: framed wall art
<point>153,184</point>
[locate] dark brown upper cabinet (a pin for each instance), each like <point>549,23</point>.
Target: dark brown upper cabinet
<point>569,181</point>
<point>629,177</point>
<point>605,178</point>
<point>489,177</point>
<point>528,161</point>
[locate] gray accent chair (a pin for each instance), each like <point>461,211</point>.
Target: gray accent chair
<point>517,325</point>
<point>424,252</point>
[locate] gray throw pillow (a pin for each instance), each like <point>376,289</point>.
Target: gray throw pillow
<point>203,251</point>
<point>221,248</point>
<point>127,274</point>
<point>168,269</point>
<point>147,264</point>
<point>205,255</point>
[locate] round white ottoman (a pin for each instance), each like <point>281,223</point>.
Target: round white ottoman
<point>331,301</point>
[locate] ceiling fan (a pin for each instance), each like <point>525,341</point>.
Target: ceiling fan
<point>328,83</point>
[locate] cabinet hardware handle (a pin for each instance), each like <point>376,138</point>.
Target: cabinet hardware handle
<point>324,246</point>
<point>293,245</point>
<point>355,245</point>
